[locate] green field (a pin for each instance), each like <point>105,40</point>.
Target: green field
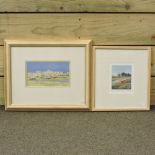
<point>49,82</point>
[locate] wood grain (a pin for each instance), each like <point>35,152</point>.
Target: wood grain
<point>103,29</point>
<point>2,61</point>
<point>153,61</point>
<point>153,91</point>
<point>77,6</point>
<point>2,91</point>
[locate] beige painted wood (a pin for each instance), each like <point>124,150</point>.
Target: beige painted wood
<point>103,29</point>
<point>77,6</point>
<point>2,91</point>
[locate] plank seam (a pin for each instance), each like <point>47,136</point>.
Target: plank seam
<point>77,12</point>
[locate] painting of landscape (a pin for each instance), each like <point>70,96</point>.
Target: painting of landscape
<point>42,73</point>
<point>121,77</point>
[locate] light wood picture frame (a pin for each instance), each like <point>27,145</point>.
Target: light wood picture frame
<point>109,93</point>
<point>31,84</point>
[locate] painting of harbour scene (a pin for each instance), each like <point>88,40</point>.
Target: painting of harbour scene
<point>121,77</point>
<point>47,73</point>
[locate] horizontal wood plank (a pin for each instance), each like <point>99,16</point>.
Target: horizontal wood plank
<point>103,29</point>
<point>153,91</point>
<point>2,91</point>
<point>153,61</point>
<point>77,6</point>
<point>2,61</point>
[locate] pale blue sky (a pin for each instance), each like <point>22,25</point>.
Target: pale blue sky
<point>60,66</point>
<point>117,69</point>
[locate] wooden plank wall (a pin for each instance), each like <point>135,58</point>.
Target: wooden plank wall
<point>106,22</point>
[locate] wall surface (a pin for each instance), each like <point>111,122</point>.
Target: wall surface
<point>106,22</point>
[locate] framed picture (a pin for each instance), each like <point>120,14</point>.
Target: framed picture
<point>46,75</point>
<point>121,78</point>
